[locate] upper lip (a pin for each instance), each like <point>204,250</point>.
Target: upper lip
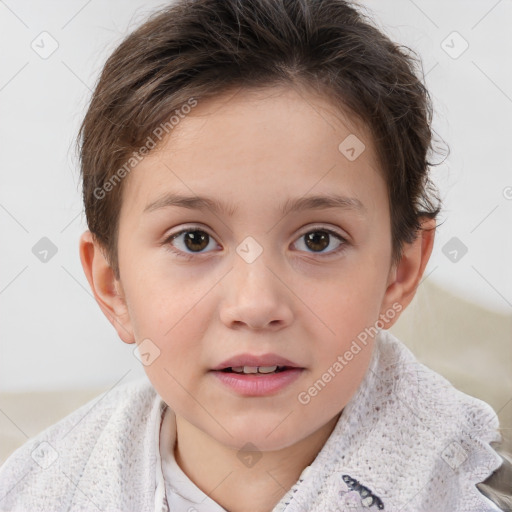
<point>254,360</point>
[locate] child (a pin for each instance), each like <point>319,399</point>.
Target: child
<point>288,141</point>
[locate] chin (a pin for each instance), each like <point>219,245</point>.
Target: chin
<point>265,437</point>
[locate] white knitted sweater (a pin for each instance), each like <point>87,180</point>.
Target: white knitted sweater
<point>407,441</point>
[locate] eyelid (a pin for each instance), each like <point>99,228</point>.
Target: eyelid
<point>323,227</point>
<point>185,228</point>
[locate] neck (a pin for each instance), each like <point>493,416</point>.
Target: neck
<point>250,486</point>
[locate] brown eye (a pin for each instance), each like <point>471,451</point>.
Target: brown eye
<point>318,240</point>
<point>196,240</point>
<point>188,242</point>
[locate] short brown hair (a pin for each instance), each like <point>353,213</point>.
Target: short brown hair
<point>202,48</point>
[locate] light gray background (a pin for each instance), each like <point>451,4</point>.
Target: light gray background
<point>53,334</point>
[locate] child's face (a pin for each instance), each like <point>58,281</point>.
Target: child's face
<point>299,298</point>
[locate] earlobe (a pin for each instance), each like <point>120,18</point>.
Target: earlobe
<point>406,275</point>
<point>106,288</point>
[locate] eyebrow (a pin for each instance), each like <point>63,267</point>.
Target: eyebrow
<point>314,202</point>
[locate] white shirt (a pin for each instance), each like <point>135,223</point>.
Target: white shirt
<point>183,495</point>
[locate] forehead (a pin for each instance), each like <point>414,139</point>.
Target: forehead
<point>248,144</point>
<point>290,113</point>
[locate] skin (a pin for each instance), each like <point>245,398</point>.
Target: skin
<point>253,150</point>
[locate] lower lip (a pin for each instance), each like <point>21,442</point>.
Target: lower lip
<point>258,384</point>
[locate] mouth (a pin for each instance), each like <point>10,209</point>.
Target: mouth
<point>257,370</point>
<point>256,364</point>
<point>257,381</point>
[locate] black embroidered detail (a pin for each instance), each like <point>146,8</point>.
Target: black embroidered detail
<point>368,499</point>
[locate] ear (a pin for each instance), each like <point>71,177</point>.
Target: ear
<point>404,277</point>
<point>107,290</point>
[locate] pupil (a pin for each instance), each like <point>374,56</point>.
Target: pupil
<point>313,241</point>
<point>193,237</point>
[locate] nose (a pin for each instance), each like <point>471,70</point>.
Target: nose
<point>255,297</point>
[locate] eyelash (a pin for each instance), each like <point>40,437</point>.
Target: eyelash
<point>189,256</point>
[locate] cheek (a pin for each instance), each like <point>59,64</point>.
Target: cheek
<point>158,295</point>
<point>350,300</point>
<point>163,313</point>
<point>174,326</point>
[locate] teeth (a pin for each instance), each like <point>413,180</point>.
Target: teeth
<point>267,369</point>
<point>254,369</point>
